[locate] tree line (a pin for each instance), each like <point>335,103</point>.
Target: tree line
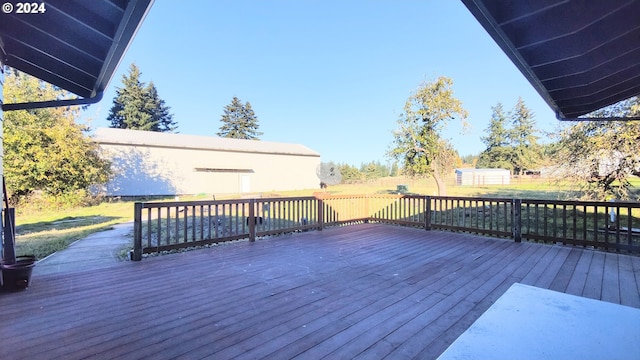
<point>599,156</point>
<point>511,140</point>
<point>368,171</point>
<point>48,152</point>
<point>137,106</point>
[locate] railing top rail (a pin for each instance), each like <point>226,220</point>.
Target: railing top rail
<point>370,196</point>
<point>324,196</point>
<point>293,198</point>
<point>472,198</point>
<point>163,204</point>
<point>583,203</point>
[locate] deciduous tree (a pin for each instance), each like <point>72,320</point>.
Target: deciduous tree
<point>602,155</point>
<point>418,143</point>
<point>45,149</point>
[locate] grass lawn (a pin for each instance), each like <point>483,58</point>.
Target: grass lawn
<point>43,233</point>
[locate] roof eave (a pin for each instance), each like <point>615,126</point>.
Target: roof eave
<point>480,12</point>
<point>132,19</point>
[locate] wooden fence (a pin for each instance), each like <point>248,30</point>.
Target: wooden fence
<point>163,226</point>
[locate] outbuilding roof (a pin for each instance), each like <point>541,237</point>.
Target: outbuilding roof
<point>580,55</point>
<point>474,170</point>
<point>73,44</point>
<point>112,136</point>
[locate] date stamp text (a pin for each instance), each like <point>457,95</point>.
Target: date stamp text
<point>24,8</point>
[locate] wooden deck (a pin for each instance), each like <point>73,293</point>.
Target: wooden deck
<point>364,291</point>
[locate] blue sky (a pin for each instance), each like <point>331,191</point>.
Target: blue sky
<point>329,74</point>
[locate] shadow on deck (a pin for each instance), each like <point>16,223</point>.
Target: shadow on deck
<point>363,291</point>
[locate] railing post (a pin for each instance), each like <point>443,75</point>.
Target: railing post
<point>137,232</point>
<point>320,214</point>
<point>516,207</point>
<point>366,209</point>
<point>427,212</point>
<point>252,220</point>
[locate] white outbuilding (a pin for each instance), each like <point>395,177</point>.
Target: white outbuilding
<point>479,177</point>
<point>148,163</point>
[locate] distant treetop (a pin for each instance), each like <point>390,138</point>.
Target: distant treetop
<point>239,121</point>
<point>137,106</point>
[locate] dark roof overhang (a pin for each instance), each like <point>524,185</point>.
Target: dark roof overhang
<point>74,44</point>
<point>580,55</point>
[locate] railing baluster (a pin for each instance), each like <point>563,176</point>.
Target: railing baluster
<point>159,224</point>
<point>209,221</point>
<point>575,222</point>
<point>149,229</point>
<point>555,222</point>
<point>528,231</point>
<point>217,221</point>
<point>506,216</point>
<point>193,223</point>
<point>595,226</point>
<point>186,223</point>
<point>606,225</point>
<point>490,215</point>
<point>617,225</point>
<point>629,226</point>
<point>584,223</point>
<point>564,223</point>
<point>177,233</point>
<point>201,237</point>
<point>168,225</point>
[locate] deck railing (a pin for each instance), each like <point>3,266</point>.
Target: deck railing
<point>163,226</point>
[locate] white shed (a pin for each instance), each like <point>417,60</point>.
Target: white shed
<point>478,177</point>
<point>153,163</point>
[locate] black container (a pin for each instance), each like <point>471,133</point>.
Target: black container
<point>17,276</point>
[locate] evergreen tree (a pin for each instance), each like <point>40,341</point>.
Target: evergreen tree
<point>526,151</point>
<point>394,169</point>
<point>370,170</point>
<point>239,121</point>
<point>498,151</point>
<point>350,174</point>
<point>138,106</point>
<point>160,114</point>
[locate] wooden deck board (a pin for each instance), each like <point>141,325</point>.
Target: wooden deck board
<point>593,285</point>
<point>629,291</point>
<point>563,276</point>
<point>579,277</point>
<point>611,279</point>
<point>553,268</point>
<point>364,291</point>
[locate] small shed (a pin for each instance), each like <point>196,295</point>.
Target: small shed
<point>479,177</point>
